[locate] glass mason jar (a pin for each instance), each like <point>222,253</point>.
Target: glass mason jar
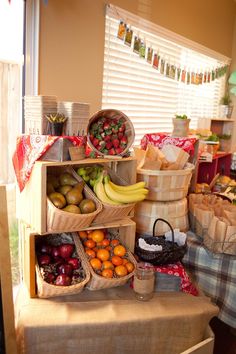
<point>144,280</point>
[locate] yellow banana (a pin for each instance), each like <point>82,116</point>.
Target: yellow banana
<point>101,194</point>
<point>122,197</point>
<point>131,187</point>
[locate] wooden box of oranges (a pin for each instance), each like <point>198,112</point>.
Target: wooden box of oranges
<point>124,228</point>
<point>110,262</point>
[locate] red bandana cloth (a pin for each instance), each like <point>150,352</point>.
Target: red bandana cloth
<point>30,148</point>
<point>161,139</point>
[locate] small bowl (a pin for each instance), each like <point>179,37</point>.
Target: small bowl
<point>118,126</point>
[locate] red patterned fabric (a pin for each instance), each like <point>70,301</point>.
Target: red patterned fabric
<point>175,269</point>
<point>161,139</point>
<point>178,270</point>
<point>30,148</point>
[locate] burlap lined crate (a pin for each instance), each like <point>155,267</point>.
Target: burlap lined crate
<point>166,185</point>
<point>111,212</point>
<point>98,282</point>
<point>175,212</point>
<point>46,290</point>
<point>59,220</point>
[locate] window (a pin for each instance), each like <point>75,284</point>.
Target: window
<point>151,99</point>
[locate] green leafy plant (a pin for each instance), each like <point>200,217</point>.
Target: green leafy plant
<point>56,118</point>
<point>225,100</point>
<point>225,136</point>
<point>178,116</point>
<point>213,137</point>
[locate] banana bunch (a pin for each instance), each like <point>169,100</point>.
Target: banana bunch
<point>111,193</point>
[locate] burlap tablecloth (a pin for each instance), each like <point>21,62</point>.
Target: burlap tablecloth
<point>111,321</point>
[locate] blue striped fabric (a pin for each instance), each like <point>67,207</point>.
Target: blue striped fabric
<point>215,275</point>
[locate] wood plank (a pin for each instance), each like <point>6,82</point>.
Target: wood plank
<point>6,278</point>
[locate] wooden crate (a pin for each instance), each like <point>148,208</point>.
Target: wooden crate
<point>206,346</point>
<point>31,204</point>
<point>126,229</point>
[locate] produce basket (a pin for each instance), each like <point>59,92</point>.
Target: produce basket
<point>45,289</point>
<point>171,252</point>
<point>166,185</point>
<point>118,126</point>
<point>98,282</point>
<point>59,220</point>
<point>111,212</point>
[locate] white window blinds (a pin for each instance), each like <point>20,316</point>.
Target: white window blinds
<point>151,99</point>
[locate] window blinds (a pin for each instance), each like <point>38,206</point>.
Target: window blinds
<point>151,99</point>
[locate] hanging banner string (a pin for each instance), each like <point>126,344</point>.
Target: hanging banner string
<point>159,62</point>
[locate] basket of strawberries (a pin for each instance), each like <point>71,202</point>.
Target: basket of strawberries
<point>110,132</point>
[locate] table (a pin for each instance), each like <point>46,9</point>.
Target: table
<point>112,321</point>
<point>215,274</point>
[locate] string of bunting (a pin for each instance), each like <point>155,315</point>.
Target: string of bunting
<point>159,62</point>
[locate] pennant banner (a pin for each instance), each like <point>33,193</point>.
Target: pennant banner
<point>159,62</point>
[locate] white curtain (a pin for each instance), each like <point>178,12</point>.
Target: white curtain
<point>10,116</point>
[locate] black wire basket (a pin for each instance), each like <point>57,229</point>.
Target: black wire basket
<point>171,252</point>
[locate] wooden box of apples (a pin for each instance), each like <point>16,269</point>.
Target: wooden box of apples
<point>60,268</point>
<point>110,263</point>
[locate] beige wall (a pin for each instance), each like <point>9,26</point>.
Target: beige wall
<point>72,38</point>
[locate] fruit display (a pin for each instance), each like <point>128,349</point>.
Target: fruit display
<point>110,132</point>
<point>109,192</point>
<point>105,253</point>
<point>59,262</point>
<point>66,193</point>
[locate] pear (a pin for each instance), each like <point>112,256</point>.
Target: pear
<point>64,189</point>
<point>79,186</point>
<point>67,179</point>
<point>53,180</point>
<point>74,196</point>
<point>87,206</point>
<point>50,188</point>
<point>71,208</point>
<point>57,199</point>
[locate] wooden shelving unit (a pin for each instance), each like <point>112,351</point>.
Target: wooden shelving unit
<point>220,164</point>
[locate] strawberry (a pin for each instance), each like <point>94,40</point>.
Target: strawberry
<point>115,143</point>
<point>118,150</point>
<point>124,140</point>
<point>120,135</point>
<point>109,145</point>
<point>111,151</point>
<point>106,126</point>
<point>115,129</point>
<point>122,128</point>
<point>107,138</point>
<point>95,142</point>
<point>101,145</point>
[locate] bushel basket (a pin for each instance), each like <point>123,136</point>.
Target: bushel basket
<point>171,252</point>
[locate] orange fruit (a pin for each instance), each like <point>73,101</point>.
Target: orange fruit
<point>108,248</point>
<point>83,235</point>
<point>103,254</point>
<point>105,242</point>
<point>90,253</point>
<point>89,243</point>
<point>125,260</point>
<point>107,265</point>
<point>97,235</point>
<point>96,264</point>
<point>116,260</point>
<point>129,266</point>
<point>121,271</point>
<point>114,242</point>
<point>119,250</point>
<point>107,273</point>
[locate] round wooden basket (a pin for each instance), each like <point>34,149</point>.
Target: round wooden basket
<point>112,114</point>
<point>166,185</point>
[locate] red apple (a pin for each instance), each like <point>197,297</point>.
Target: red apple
<point>66,269</point>
<point>74,262</point>
<point>66,250</point>
<point>63,280</point>
<point>55,251</point>
<point>44,248</point>
<point>44,259</point>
